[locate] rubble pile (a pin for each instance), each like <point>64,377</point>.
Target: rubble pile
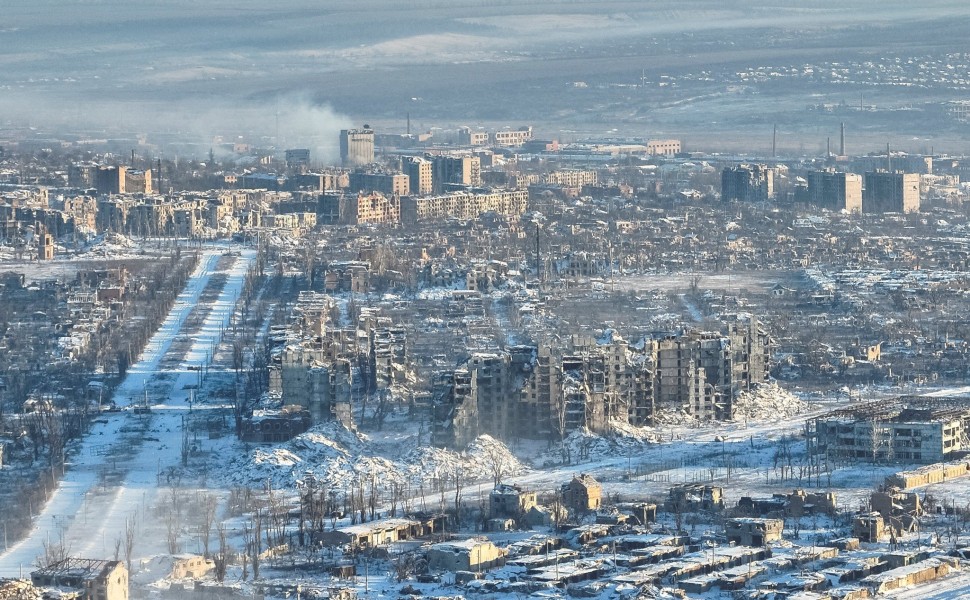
<point>338,457</point>
<point>765,402</point>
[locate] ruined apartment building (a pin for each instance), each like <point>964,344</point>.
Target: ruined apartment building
<point>320,366</point>
<point>449,170</point>
<point>539,393</point>
<point>349,209</point>
<point>388,184</point>
<point>463,205</point>
<point>545,392</point>
<point>748,183</point>
<point>835,190</point>
<point>574,178</point>
<point>419,172</point>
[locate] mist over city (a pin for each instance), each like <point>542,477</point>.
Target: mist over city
<point>484,299</point>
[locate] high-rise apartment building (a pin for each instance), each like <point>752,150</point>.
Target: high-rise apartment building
<point>747,183</point>
<point>456,170</point>
<point>420,174</point>
<point>835,190</point>
<point>891,192</point>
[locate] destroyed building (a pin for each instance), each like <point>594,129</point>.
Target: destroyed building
<point>748,183</point>
<point>95,579</point>
<point>547,391</point>
<point>921,430</point>
<point>582,493</point>
<point>753,531</point>
<point>510,501</point>
<point>319,365</point>
<point>688,497</point>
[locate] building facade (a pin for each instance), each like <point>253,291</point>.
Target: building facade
<point>420,175</point>
<point>835,190</point>
<point>886,192</point>
<point>906,430</point>
<point>747,183</point>
<point>357,146</point>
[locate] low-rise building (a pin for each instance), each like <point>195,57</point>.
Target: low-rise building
<point>917,430</point>
<point>510,500</point>
<point>95,579</point>
<point>380,533</point>
<point>466,555</point>
<point>582,493</point>
<point>753,531</point>
<point>191,566</point>
<point>688,497</point>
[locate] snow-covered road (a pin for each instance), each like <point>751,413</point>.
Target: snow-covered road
<point>115,473</point>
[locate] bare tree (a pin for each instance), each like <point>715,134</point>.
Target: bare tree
<point>497,463</point>
<point>221,559</point>
<point>129,540</point>
<point>459,483</point>
<point>173,521</point>
<point>372,499</point>
<point>276,531</point>
<point>207,512</point>
<point>253,535</point>
<point>172,532</point>
<point>54,552</point>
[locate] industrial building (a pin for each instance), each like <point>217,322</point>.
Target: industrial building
<point>357,146</point>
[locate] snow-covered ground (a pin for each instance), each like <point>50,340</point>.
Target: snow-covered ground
<point>115,473</point>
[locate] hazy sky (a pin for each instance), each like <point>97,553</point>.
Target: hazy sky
<point>307,67</point>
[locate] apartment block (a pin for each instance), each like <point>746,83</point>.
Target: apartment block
<point>886,192</point>
<point>420,175</point>
<point>357,209</point>
<point>551,390</point>
<point>389,184</point>
<point>835,190</point>
<point>576,178</point>
<point>748,183</point>
<point>455,171</point>
<point>463,205</point>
